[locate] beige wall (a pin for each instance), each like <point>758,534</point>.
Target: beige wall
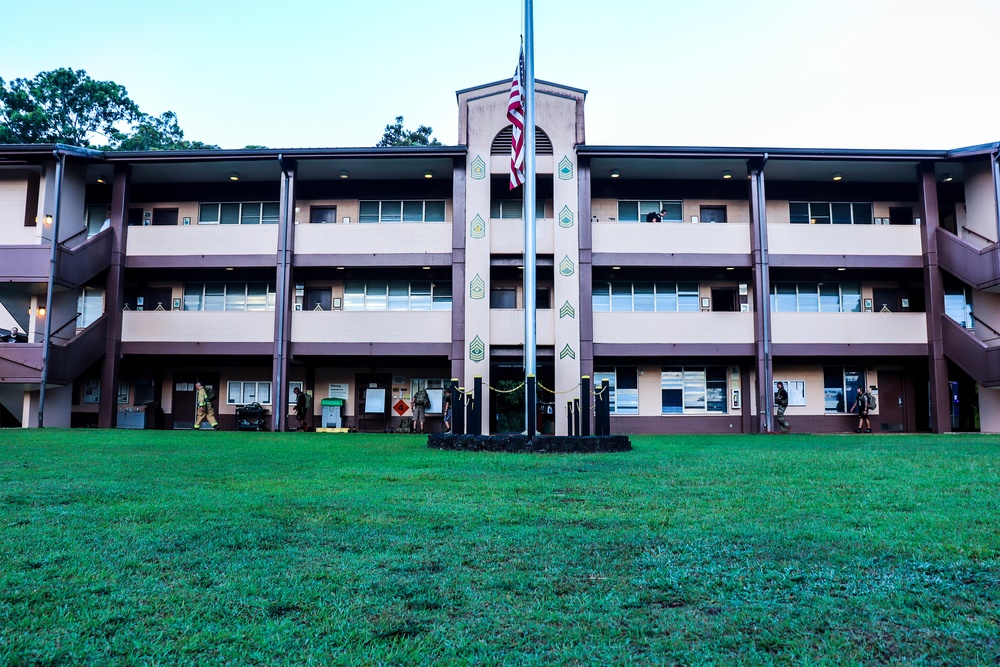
<point>13,200</point>
<point>404,237</point>
<point>849,240</point>
<point>980,203</point>
<point>673,328</point>
<point>507,327</point>
<point>507,236</point>
<point>616,237</point>
<point>203,240</point>
<point>989,410</point>
<point>371,327</point>
<point>197,326</point>
<point>849,328</point>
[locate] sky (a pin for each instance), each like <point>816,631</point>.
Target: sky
<point>878,74</point>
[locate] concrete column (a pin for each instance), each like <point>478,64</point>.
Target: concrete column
<point>114,297</point>
<point>934,297</point>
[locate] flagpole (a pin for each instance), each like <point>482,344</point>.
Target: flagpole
<point>530,353</point>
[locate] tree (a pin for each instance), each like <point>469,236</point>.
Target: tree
<point>395,135</point>
<point>64,106</point>
<point>161,133</point>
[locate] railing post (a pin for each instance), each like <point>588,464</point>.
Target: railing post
<point>569,418</point>
<point>476,408</point>
<point>457,415</point>
<point>531,408</point>
<point>606,408</point>
<point>585,405</point>
<point>576,416</point>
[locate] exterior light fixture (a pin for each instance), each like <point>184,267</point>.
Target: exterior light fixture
<point>948,178</point>
<point>837,176</point>
<point>229,268</point>
<point>41,311</point>
<point>428,174</point>
<point>615,173</point>
<point>48,220</point>
<point>841,269</point>
<point>727,174</point>
<point>102,179</point>
<point>234,176</point>
<point>615,268</point>
<point>426,268</point>
<point>730,268</point>
<point>343,173</point>
<point>340,268</point>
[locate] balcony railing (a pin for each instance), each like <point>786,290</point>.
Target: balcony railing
<point>674,328</point>
<point>844,240</point>
<point>855,329</point>
<point>194,240</point>
<point>375,238</point>
<point>196,327</point>
<point>667,239</point>
<point>339,326</point>
<point>507,327</point>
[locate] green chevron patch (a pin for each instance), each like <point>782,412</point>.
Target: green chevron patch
<point>566,217</point>
<point>477,349</point>
<point>567,352</point>
<point>566,267</point>
<point>477,229</point>
<point>478,169</point>
<point>565,169</point>
<point>567,311</point>
<point>477,288</point>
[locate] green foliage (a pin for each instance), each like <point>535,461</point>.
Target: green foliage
<point>396,135</point>
<point>66,106</point>
<point>158,547</point>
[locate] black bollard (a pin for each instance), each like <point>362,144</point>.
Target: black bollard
<point>576,416</point>
<point>530,407</point>
<point>584,405</point>
<point>569,418</point>
<point>457,415</point>
<point>606,407</point>
<point>476,414</point>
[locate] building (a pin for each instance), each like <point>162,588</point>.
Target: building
<point>363,274</point>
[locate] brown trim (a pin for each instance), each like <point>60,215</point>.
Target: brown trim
<point>848,350</point>
<point>458,289</point>
<point>161,349</point>
<point>586,265</point>
<point>940,398</point>
<point>115,296</point>
<point>31,214</point>
<point>374,259</point>
<point>848,261</point>
<point>284,291</point>
<point>371,349</point>
<point>197,261</point>
<point>669,259</point>
<point>761,297</point>
<point>673,350</point>
<point>700,424</point>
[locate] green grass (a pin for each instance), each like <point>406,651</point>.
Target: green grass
<point>270,549</point>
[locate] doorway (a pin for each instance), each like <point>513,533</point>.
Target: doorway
<point>885,300</point>
<point>317,299</point>
<point>157,298</point>
<point>165,216</point>
<point>724,300</point>
<point>899,215</point>
<point>183,409</point>
<point>891,408</point>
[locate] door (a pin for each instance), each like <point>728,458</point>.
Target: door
<point>724,300</point>
<point>713,213</point>
<point>899,215</point>
<point>885,300</point>
<point>373,392</point>
<point>317,299</point>
<point>157,298</point>
<point>183,409</point>
<point>891,410</point>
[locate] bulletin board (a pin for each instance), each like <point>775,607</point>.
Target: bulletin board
<point>375,400</point>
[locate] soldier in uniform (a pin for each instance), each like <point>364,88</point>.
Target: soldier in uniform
<point>204,406</point>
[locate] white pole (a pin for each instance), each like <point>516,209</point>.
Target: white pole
<point>530,357</point>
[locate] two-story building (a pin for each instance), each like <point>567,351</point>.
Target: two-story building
<point>363,274</point>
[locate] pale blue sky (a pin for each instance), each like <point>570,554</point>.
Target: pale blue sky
<point>773,73</point>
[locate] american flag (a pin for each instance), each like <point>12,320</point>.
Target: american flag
<point>515,114</point>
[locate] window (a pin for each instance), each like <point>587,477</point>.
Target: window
<point>825,213</point>
<point>435,391</point>
<point>635,211</point>
<point>796,391</point>
<point>623,385</point>
<point>662,297</point>
<point>513,209</point>
<point>840,387</point>
<point>957,306</point>
<point>292,386</point>
<point>238,213</point>
<point>95,215</point>
<point>323,214</point>
<point>397,295</point>
<point>398,210</point>
<point>816,298</point>
<point>89,306</point>
<point>693,390</point>
<point>92,391</point>
<point>242,393</point>
<point>229,296</point>
<point>123,392</point>
<point>503,297</point>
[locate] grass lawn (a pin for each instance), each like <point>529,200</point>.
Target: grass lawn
<point>131,547</point>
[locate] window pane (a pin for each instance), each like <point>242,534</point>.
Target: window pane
<point>602,297</point>
<point>230,214</point>
<point>392,211</point>
<point>687,297</point>
<point>599,377</point>
<point>236,296</point>
<point>413,211</point>
<point>270,213</point>
<point>434,211</point>
<point>798,213</point>
<point>420,295</point>
<point>643,297</point>
<point>208,214</point>
<point>841,214</point>
<point>256,296</point>
<point>354,296</point>
<point>250,214</point>
<point>833,390</point>
<point>715,390</point>
<point>829,298</point>
<point>850,297</point>
<point>264,393</point>
<point>863,214</point>
<point>694,390</point>
<point>785,300</point>
<point>819,214</point>
<point>808,297</point>
<point>192,296</point>
<point>322,214</point>
<point>672,391</point>
<point>215,296</point>
<point>621,297</point>
<point>234,394</point>
<point>376,295</point>
<point>442,296</point>
<point>399,296</point>
<point>368,211</point>
<point>666,297</point>
<point>249,392</point>
<point>503,297</point>
<point>511,209</point>
<point>628,211</point>
<point>674,211</point>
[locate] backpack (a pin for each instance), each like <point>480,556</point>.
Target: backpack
<point>309,400</point>
<point>872,401</point>
<point>209,394</point>
<point>422,400</point>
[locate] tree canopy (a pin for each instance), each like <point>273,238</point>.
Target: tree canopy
<point>396,135</point>
<point>66,106</point>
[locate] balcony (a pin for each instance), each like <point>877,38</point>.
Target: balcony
<point>979,267</point>
<point>22,362</point>
<point>671,244</point>
<point>673,334</point>
<point>202,245</point>
<point>75,265</point>
<point>197,332</point>
<point>376,244</point>
<point>974,356</point>
<point>848,334</point>
<point>370,333</point>
<point>507,327</point>
<point>845,245</point>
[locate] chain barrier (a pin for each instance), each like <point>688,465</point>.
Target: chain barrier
<point>556,393</point>
<point>505,391</point>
